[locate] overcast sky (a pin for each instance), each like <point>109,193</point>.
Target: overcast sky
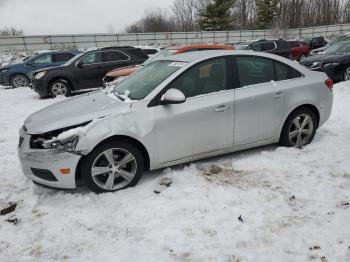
<point>74,16</point>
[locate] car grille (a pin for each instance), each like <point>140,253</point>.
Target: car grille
<point>20,142</point>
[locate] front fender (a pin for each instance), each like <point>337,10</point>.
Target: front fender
<point>130,124</point>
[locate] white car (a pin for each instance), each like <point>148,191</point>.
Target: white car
<point>175,110</point>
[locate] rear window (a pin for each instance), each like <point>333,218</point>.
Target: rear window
<point>61,57</point>
<point>254,70</point>
<point>113,56</point>
<point>283,45</point>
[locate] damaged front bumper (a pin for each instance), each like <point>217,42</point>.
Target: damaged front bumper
<point>49,167</point>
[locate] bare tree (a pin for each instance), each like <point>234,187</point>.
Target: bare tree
<point>156,20</point>
<point>185,14</point>
<point>10,31</point>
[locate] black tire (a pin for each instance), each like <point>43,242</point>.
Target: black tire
<point>289,129</point>
<point>19,80</point>
<point>60,87</point>
<point>97,155</point>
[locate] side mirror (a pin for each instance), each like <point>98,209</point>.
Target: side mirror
<point>172,96</point>
<point>29,63</point>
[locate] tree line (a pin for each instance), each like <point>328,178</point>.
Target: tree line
<point>209,15</point>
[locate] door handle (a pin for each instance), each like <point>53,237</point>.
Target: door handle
<point>222,108</point>
<point>278,95</point>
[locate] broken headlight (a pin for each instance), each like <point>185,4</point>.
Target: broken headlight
<point>68,144</point>
<point>56,140</point>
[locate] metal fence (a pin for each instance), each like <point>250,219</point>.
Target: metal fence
<point>46,42</point>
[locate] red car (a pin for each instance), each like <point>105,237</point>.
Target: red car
<point>300,50</point>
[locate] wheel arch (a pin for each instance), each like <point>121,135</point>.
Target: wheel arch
<point>64,78</point>
<point>123,138</point>
<point>18,73</point>
<point>311,107</point>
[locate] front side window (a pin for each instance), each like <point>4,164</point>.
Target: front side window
<point>144,81</point>
<point>92,58</point>
<point>43,59</point>
<point>256,47</point>
<point>254,70</point>
<point>204,78</point>
<point>114,56</point>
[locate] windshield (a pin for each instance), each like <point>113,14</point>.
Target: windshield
<point>338,49</point>
<point>159,55</point>
<point>144,81</point>
<point>73,59</point>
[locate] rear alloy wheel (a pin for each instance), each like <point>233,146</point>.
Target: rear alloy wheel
<point>112,166</point>
<point>347,74</point>
<point>60,88</point>
<point>299,129</point>
<point>19,81</point>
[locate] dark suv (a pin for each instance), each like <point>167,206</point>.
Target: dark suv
<point>277,47</point>
<point>85,70</point>
<point>19,74</point>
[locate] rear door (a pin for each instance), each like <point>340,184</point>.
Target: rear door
<point>89,70</point>
<point>259,103</point>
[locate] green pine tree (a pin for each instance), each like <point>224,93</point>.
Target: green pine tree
<point>217,16</point>
<point>267,12</point>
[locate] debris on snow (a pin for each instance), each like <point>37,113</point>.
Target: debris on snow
<point>8,209</point>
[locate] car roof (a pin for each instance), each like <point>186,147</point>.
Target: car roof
<point>194,57</point>
<point>183,48</point>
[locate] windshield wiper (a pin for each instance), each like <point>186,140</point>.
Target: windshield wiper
<point>117,95</point>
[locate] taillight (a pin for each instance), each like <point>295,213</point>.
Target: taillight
<point>329,84</point>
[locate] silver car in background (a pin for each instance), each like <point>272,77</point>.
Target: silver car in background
<point>175,110</point>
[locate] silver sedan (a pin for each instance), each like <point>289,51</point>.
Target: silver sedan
<point>175,110</point>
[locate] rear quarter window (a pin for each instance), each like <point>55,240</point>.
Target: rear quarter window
<point>285,72</point>
<point>268,46</point>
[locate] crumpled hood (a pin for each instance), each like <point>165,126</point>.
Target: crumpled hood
<point>74,111</point>
<point>324,58</point>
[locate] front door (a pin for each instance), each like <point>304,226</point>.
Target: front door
<point>204,122</point>
<point>89,71</point>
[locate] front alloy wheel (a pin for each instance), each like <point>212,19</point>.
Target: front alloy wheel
<point>60,88</point>
<point>112,166</point>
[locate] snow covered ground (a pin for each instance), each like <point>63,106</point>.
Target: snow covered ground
<point>266,204</point>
